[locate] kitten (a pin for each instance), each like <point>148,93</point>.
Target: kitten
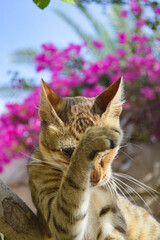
<point>70,172</point>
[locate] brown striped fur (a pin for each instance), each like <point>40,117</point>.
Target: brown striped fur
<point>70,171</point>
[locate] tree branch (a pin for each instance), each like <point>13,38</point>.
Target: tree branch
<point>17,221</point>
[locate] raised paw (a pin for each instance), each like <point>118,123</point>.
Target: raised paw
<point>99,139</point>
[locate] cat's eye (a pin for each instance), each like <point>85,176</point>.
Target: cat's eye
<point>68,151</point>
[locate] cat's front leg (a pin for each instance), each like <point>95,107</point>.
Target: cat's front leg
<point>70,211</point>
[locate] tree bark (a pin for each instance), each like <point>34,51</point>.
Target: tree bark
<point>17,221</point>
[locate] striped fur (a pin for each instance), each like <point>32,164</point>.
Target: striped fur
<point>70,171</point>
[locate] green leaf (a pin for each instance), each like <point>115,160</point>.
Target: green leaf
<point>41,3</point>
<point>23,56</point>
<point>69,1</point>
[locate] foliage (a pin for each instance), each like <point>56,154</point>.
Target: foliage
<point>72,74</point>
<point>19,82</point>
<point>41,3</point>
<point>44,3</point>
<point>104,2</point>
<point>69,1</point>
<point>23,56</point>
<point>100,32</point>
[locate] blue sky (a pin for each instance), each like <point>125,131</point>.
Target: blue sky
<point>24,25</point>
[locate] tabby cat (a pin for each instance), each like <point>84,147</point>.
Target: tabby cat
<point>70,172</point>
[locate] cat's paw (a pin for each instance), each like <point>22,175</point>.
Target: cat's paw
<point>99,139</point>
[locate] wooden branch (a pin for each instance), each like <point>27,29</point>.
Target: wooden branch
<point>17,221</point>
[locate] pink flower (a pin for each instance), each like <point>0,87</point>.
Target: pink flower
<point>142,49</point>
<point>29,141</point>
<point>34,123</point>
<point>92,79</point>
<point>123,14</point>
<point>141,39</point>
<point>157,10</point>
<point>95,67</point>
<point>65,92</point>
<point>148,93</point>
<point>1,169</point>
<point>147,49</point>
<point>98,44</point>
<point>136,8</point>
<point>122,37</point>
<point>75,47</point>
<point>49,47</point>
<point>121,52</point>
<point>92,92</point>
<point>127,106</point>
<point>140,22</point>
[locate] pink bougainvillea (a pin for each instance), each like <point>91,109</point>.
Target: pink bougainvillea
<point>72,74</point>
<point>141,39</point>
<point>121,52</point>
<point>98,44</point>
<point>140,22</point>
<point>148,93</point>
<point>123,14</point>
<point>122,37</point>
<point>157,10</point>
<point>136,8</point>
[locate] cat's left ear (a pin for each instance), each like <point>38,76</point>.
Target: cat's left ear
<point>110,101</point>
<point>50,105</point>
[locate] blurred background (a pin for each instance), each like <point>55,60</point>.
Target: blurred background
<point>80,49</point>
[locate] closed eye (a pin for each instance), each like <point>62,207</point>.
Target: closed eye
<point>68,151</point>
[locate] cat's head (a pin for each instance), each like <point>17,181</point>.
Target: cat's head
<point>65,119</point>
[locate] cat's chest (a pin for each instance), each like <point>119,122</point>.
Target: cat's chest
<point>101,213</point>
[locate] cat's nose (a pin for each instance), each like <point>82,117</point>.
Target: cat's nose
<point>96,174</point>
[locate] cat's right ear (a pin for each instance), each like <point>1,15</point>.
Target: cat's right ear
<point>109,102</point>
<point>50,104</point>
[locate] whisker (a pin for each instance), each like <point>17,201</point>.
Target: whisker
<point>39,164</point>
<point>36,159</point>
<point>135,181</point>
<point>136,193</point>
<point>49,163</point>
<point>44,165</point>
<point>125,136</point>
<point>26,155</point>
<point>125,190</point>
<point>113,189</point>
<point>110,189</point>
<point>151,191</point>
<point>59,162</point>
<point>127,155</point>
<point>120,190</point>
<point>140,185</point>
<point>136,145</point>
<point>122,146</point>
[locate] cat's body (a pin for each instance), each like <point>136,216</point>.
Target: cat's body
<point>70,172</point>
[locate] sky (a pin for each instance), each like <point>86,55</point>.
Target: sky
<point>24,25</point>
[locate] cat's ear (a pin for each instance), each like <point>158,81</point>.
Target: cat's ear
<point>110,101</point>
<point>50,104</point>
